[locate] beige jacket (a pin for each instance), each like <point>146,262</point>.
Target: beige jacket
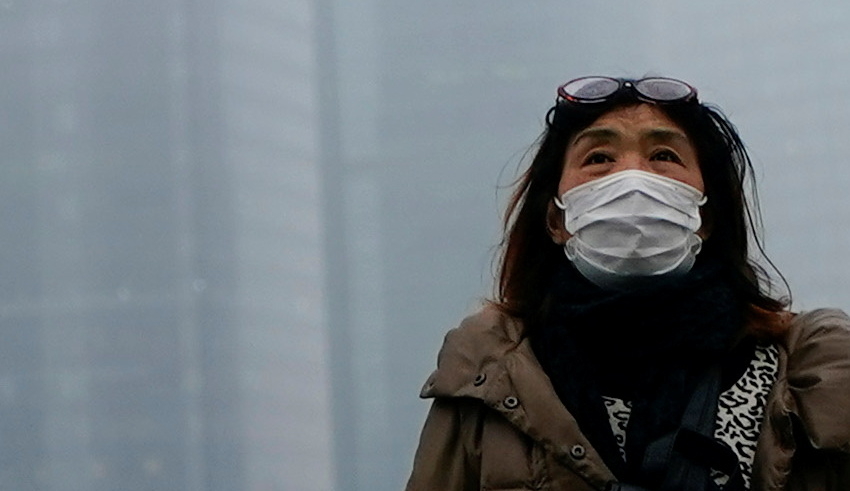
<point>497,424</point>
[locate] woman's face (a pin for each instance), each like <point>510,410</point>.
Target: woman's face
<point>639,137</point>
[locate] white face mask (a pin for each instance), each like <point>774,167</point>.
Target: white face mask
<point>630,226</point>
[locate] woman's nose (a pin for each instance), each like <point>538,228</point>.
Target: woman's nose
<point>635,162</point>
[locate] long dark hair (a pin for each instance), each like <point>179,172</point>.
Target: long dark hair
<point>528,254</point>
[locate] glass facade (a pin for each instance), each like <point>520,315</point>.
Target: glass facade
<point>163,290</point>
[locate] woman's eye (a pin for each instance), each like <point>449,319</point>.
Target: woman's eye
<point>666,156</point>
<point>598,158</point>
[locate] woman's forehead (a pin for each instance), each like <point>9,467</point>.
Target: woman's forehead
<point>645,120</point>
<point>639,114</point>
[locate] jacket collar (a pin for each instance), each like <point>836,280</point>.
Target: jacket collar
<point>488,358</point>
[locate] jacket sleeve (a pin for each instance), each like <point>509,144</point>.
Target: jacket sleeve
<point>447,458</point>
<point>819,377</point>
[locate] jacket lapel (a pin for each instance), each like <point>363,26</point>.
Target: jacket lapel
<point>497,366</point>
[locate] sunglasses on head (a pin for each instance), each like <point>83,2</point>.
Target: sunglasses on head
<point>659,90</point>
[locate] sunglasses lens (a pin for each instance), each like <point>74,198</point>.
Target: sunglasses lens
<point>664,89</point>
<point>589,89</point>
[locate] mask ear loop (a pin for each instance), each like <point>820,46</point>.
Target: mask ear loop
<point>560,204</point>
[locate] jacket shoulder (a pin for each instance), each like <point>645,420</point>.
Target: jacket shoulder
<point>818,375</point>
<point>817,326</point>
<point>481,338</point>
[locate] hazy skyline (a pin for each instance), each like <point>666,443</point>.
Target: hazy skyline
<point>236,231</point>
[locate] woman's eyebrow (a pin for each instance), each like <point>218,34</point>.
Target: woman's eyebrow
<point>665,135</point>
<point>596,133</point>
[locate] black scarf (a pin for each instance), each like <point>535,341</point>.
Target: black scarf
<point>649,346</point>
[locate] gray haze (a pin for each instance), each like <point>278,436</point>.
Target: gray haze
<point>235,231</point>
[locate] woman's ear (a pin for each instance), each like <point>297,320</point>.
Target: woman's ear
<point>555,224</point>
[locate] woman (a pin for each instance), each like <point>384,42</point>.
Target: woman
<point>633,344</point>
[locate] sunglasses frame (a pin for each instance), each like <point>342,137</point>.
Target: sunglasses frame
<point>631,84</point>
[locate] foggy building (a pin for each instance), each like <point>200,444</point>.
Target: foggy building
<point>160,175</point>
<point>423,132</point>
